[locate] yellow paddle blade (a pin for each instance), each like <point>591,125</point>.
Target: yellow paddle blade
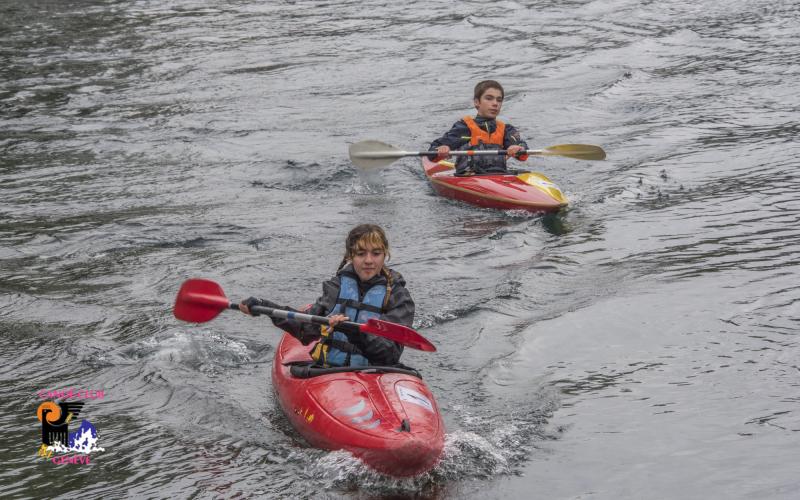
<point>577,151</point>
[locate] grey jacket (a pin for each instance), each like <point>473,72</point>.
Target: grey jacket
<point>378,350</point>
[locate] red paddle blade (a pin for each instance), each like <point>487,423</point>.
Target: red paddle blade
<point>199,301</point>
<point>399,333</point>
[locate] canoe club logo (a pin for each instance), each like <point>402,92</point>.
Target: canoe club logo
<point>59,445</point>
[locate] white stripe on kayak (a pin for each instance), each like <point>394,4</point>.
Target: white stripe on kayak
<point>414,397</point>
<point>372,425</point>
<point>356,408</point>
<point>362,418</point>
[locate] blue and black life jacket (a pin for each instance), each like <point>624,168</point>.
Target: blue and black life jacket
<point>336,349</point>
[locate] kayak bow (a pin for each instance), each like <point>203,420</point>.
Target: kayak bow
<point>387,417</point>
<point>528,191</point>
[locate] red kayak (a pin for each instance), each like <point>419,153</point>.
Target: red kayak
<point>529,191</point>
<point>385,416</point>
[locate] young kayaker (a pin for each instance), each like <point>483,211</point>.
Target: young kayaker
<point>363,288</point>
<point>482,132</point>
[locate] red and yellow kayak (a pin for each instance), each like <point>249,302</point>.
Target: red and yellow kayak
<point>528,191</point>
<point>385,416</point>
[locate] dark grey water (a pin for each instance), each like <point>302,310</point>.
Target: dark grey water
<point>642,344</point>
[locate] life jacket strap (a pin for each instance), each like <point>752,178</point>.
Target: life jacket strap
<point>359,305</point>
<point>342,345</point>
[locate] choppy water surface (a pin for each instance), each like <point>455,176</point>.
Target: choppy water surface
<point>643,344</point>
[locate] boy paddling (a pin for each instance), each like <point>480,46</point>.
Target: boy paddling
<point>483,132</point>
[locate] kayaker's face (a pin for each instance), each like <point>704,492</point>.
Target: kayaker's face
<point>368,261</point>
<point>489,104</point>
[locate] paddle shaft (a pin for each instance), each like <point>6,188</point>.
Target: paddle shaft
<point>430,154</point>
<point>376,154</point>
<point>481,152</point>
<point>200,300</point>
<point>344,326</point>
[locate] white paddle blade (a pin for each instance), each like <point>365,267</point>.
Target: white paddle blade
<point>375,154</point>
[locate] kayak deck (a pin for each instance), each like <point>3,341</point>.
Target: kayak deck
<point>528,191</point>
<point>387,418</point>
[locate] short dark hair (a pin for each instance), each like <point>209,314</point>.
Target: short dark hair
<point>485,85</point>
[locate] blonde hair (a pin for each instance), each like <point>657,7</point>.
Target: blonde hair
<point>362,236</point>
<point>358,239</point>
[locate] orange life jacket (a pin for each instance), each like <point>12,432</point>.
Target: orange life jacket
<point>478,135</point>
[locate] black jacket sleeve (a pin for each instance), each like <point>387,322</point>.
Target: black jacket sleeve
<point>306,332</point>
<point>455,138</point>
<point>400,309</point>
<point>513,138</point>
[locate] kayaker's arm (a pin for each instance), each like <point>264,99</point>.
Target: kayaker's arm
<point>455,138</point>
<point>380,351</point>
<point>400,310</point>
<point>304,332</point>
<point>513,138</point>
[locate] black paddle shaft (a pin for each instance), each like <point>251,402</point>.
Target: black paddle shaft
<point>479,152</point>
<point>344,326</point>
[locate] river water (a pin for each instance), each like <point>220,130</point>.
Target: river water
<point>642,344</point>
